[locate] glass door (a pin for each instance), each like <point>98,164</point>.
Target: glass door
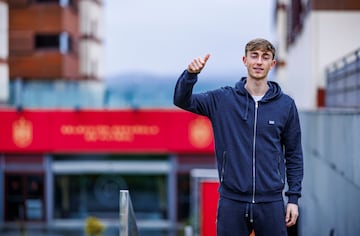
<point>24,197</point>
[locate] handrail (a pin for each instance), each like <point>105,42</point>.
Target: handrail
<point>128,226</point>
<point>343,82</point>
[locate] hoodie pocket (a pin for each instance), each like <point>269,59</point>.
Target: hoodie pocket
<point>271,173</point>
<point>223,167</point>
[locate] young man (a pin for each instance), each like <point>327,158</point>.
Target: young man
<point>257,143</point>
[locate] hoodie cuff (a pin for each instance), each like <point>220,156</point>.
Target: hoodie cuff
<point>190,76</point>
<point>293,199</point>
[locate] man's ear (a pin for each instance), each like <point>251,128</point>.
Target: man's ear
<point>244,60</point>
<point>273,64</point>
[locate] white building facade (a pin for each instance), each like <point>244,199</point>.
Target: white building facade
<point>312,34</point>
<point>91,31</point>
<point>4,52</point>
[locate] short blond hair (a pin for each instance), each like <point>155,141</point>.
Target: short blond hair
<point>260,44</point>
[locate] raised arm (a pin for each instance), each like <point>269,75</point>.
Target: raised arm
<point>183,94</point>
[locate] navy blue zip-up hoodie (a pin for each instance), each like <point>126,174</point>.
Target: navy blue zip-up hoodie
<point>254,143</point>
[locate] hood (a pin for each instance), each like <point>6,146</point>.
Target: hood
<point>273,93</point>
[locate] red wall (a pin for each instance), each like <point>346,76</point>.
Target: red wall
<point>69,131</point>
<point>208,207</point>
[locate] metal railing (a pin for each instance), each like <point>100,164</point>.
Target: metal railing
<point>128,226</point>
<point>343,82</point>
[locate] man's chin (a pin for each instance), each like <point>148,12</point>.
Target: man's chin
<point>259,77</point>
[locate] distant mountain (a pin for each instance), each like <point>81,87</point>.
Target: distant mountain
<point>137,90</point>
<point>137,79</point>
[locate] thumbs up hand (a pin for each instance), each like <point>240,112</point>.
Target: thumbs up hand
<point>197,64</point>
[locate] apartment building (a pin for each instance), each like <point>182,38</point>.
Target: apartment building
<point>311,35</point>
<point>55,39</point>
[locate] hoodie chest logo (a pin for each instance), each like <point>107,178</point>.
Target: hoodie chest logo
<point>271,122</point>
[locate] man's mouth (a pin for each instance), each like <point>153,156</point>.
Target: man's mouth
<point>258,69</point>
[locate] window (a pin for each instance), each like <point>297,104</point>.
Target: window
<point>62,3</point>
<point>60,41</point>
<point>296,14</point>
<point>98,195</point>
<point>47,41</point>
<point>65,42</point>
<point>44,1</point>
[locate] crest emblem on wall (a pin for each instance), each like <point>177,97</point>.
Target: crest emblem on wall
<point>200,133</point>
<point>22,132</point>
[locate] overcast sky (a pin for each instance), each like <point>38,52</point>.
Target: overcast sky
<point>163,36</point>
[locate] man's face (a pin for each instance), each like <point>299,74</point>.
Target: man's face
<point>259,63</point>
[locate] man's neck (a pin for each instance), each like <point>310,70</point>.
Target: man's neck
<point>256,87</point>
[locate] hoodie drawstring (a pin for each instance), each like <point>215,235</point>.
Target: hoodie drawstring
<point>249,212</point>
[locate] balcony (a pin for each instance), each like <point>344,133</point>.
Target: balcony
<point>49,64</point>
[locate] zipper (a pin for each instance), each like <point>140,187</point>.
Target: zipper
<point>223,167</point>
<point>278,170</point>
<point>253,153</point>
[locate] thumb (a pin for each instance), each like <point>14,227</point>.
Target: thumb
<point>207,56</point>
<point>287,217</point>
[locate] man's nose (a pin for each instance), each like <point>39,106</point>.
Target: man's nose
<point>259,60</point>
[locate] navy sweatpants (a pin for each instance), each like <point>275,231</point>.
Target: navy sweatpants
<point>235,218</point>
